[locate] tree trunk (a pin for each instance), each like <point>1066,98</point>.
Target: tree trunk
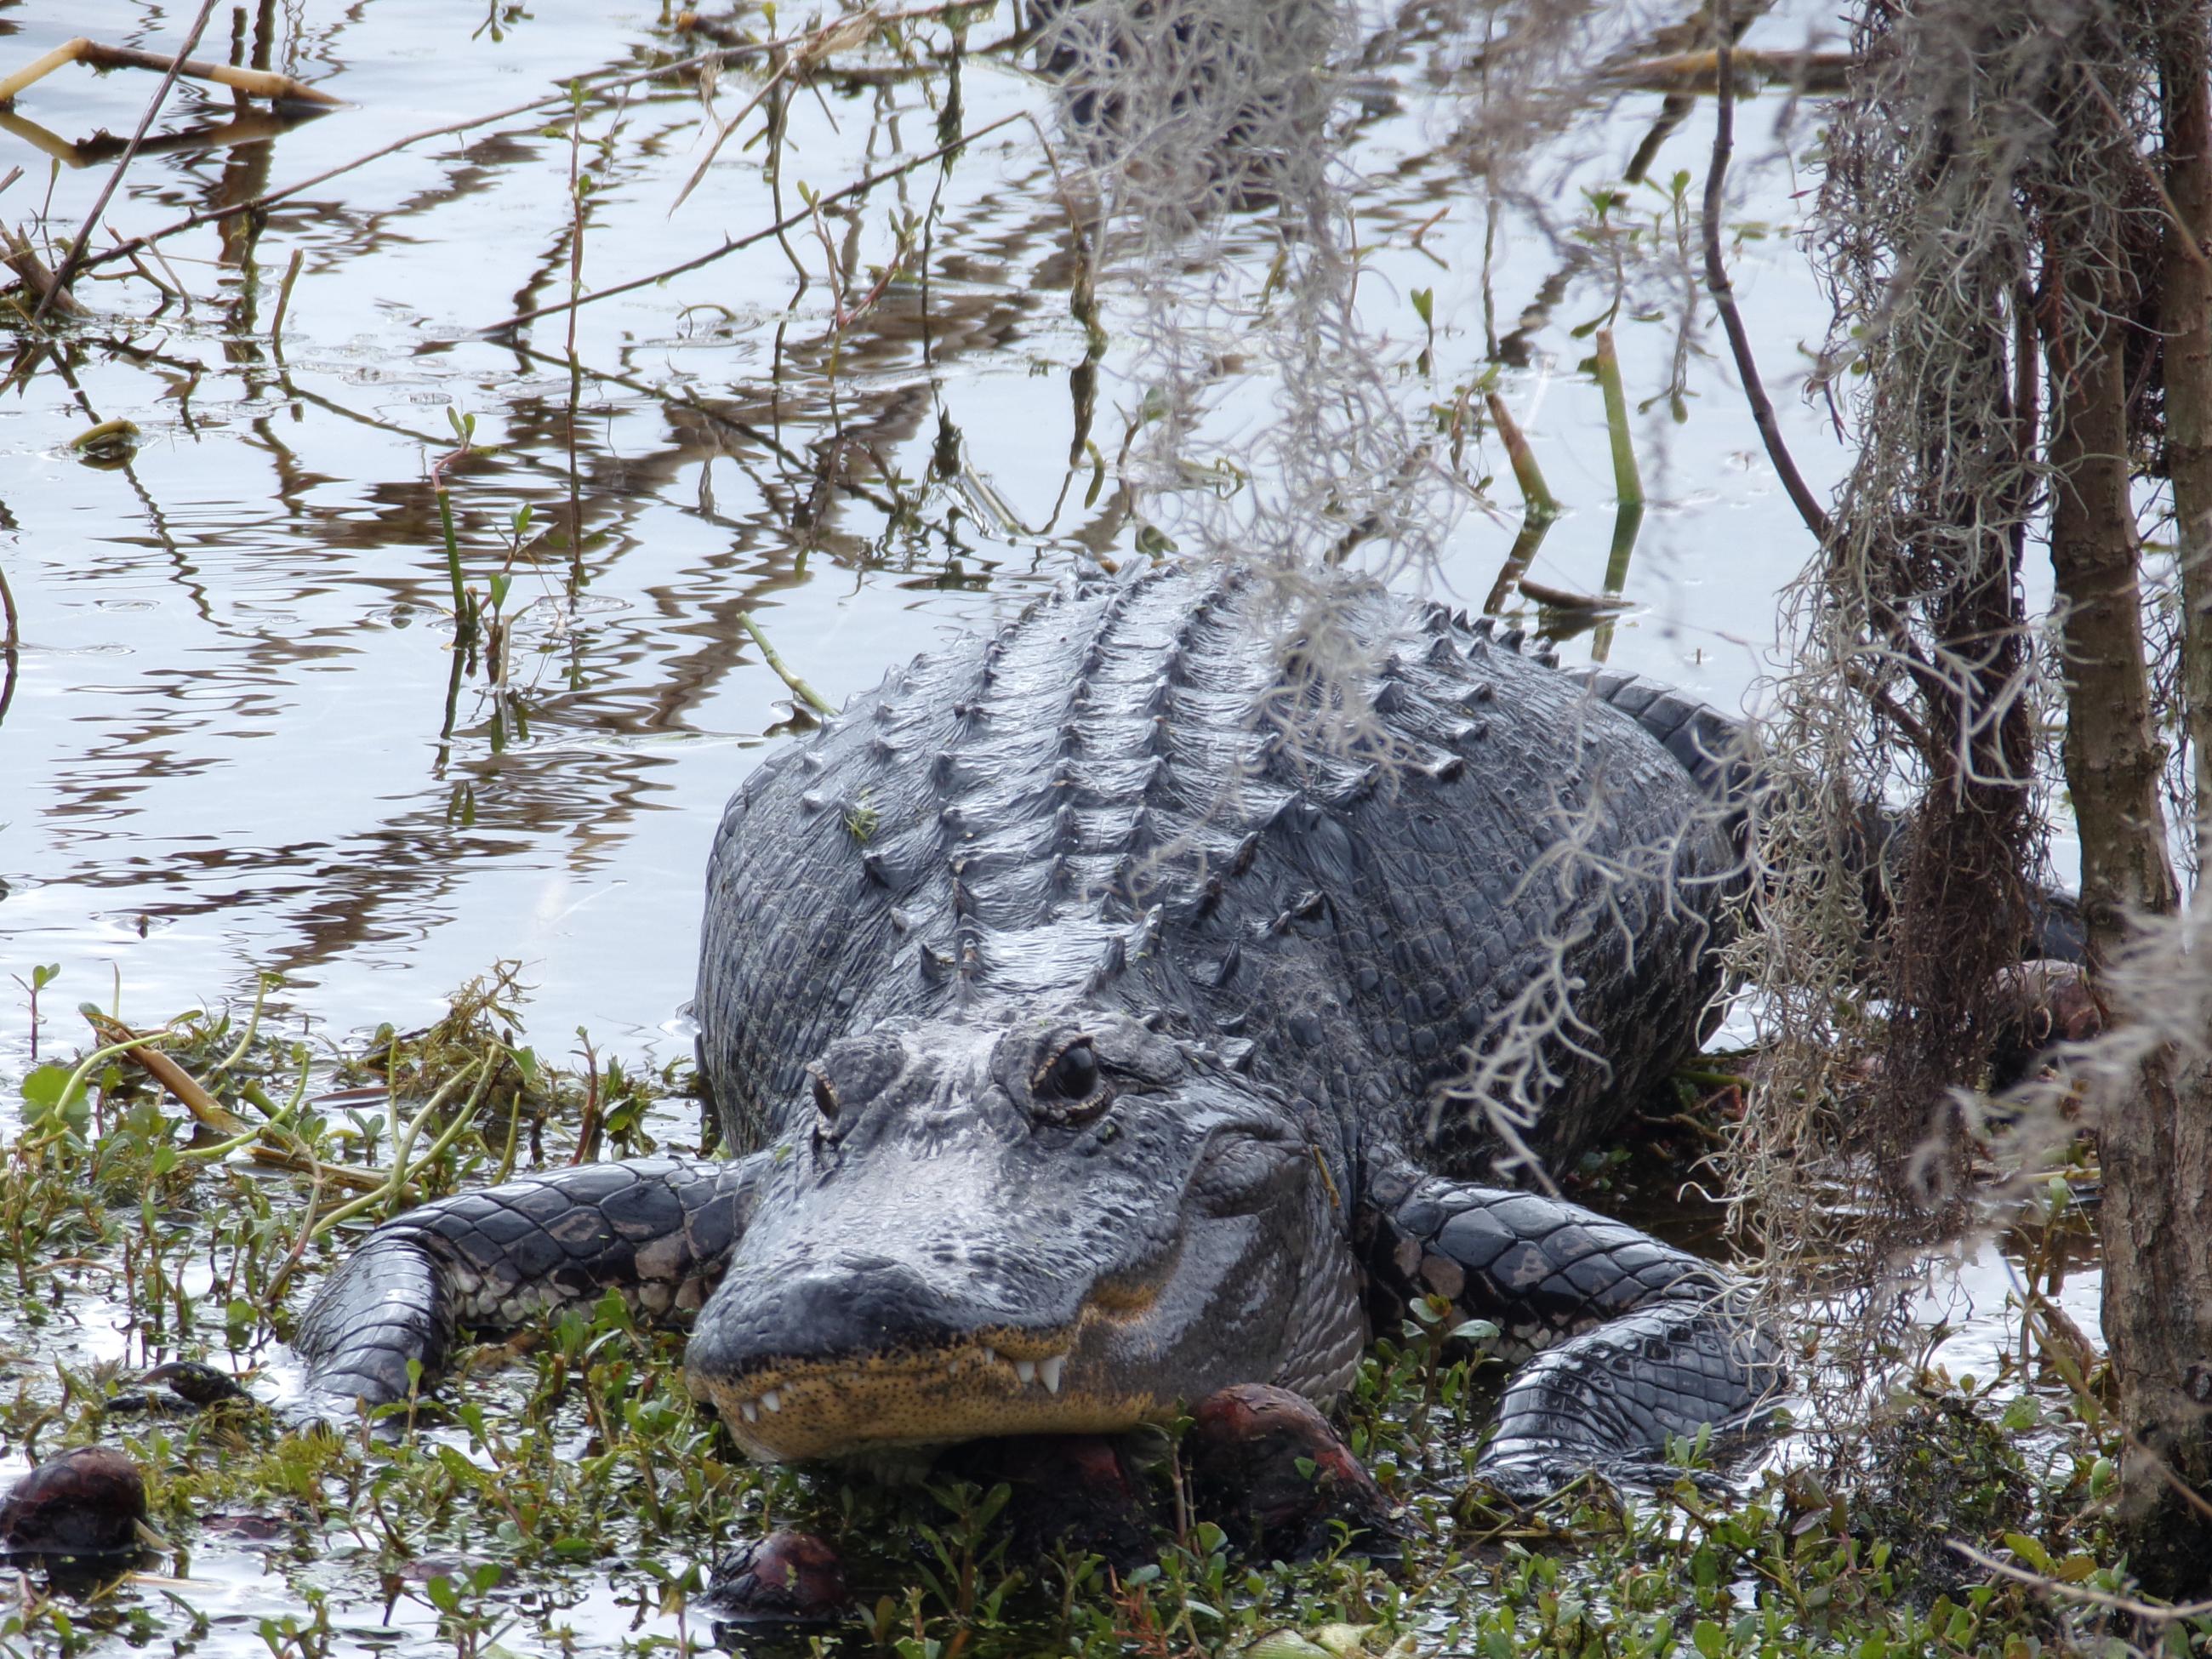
<point>2185,320</point>
<point>2111,760</point>
<point>2156,1216</point>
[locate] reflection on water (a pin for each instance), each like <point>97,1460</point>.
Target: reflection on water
<point>241,736</point>
<point>231,747</point>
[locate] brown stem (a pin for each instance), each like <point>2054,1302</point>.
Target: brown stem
<point>75,255</point>
<point>2155,1222</point>
<point>1723,292</point>
<point>268,199</point>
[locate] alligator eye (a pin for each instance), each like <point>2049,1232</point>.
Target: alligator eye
<point>825,1097</point>
<point>1074,1074</point>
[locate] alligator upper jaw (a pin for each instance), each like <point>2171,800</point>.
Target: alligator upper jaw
<point>827,1408</point>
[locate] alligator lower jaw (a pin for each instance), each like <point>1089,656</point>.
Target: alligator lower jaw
<point>795,1413</point>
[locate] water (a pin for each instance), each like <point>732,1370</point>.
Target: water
<point>228,748</point>
<point>240,738</point>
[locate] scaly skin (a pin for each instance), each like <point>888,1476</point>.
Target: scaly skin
<point>1081,1040</point>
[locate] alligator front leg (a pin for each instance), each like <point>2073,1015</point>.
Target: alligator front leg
<point>1634,1340</point>
<point>660,1231</point>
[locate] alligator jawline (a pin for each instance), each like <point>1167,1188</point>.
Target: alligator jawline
<point>817,1408</point>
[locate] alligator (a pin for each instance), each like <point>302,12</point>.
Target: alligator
<point>1085,1034</point>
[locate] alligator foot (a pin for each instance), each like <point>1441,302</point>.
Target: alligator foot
<point>1636,1343</point>
<point>1268,1458</point>
<point>785,1584</point>
<point>1086,1491</point>
<point>1611,1400</point>
<point>659,1231</point>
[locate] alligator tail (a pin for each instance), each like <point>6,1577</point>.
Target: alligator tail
<point>1709,745</point>
<point>1715,750</point>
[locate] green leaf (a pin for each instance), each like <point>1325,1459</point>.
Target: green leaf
<point>464,1473</point>
<point>42,1088</point>
<point>1424,299</point>
<point>1709,1638</point>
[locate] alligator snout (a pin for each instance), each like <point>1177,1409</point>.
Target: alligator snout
<point>809,1352</point>
<point>849,1308</point>
<point>861,1351</point>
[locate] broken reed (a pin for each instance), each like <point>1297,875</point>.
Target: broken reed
<point>1542,505</point>
<point>1627,483</point>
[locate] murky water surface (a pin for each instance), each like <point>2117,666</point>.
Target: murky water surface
<point>234,743</point>
<point>240,737</point>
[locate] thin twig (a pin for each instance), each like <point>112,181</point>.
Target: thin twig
<point>2148,1611</point>
<point>20,257</point>
<point>75,255</point>
<point>1541,503</point>
<point>268,199</point>
<point>164,1070</point>
<point>722,137</point>
<point>14,636</point>
<point>805,693</point>
<point>138,264</point>
<point>1717,279</point>
<point>736,244</point>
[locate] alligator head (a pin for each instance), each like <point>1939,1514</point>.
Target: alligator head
<point>1032,1223</point>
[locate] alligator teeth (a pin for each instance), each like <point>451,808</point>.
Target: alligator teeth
<point>990,1356</point>
<point>1025,1370</point>
<point>1049,1372</point>
<point>772,1401</point>
<point>750,1412</point>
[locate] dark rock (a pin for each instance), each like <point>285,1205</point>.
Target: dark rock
<point>90,1502</point>
<point>1272,1471</point>
<point>1083,1490</point>
<point>789,1581</point>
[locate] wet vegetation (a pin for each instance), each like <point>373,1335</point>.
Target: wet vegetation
<point>593,431</point>
<point>563,1490</point>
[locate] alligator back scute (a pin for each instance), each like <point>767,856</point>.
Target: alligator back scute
<point>1096,805</point>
